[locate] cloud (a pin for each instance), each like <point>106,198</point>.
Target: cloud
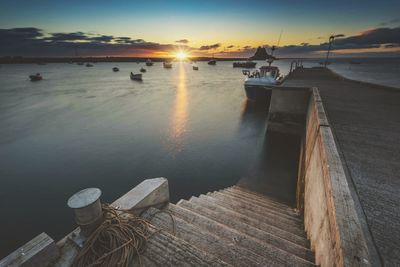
<point>182,41</point>
<point>247,47</point>
<point>209,47</point>
<point>230,46</point>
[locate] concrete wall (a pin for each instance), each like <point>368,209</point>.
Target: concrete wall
<point>288,109</point>
<point>324,198</point>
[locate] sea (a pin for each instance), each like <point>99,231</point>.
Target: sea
<point>86,127</point>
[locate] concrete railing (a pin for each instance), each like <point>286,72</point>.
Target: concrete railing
<point>324,197</point>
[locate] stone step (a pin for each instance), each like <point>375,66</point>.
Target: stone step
<point>247,226</point>
<point>256,195</point>
<point>259,207</point>
<point>272,255</point>
<point>164,249</point>
<point>265,203</point>
<point>229,252</point>
<point>265,225</point>
<point>246,206</point>
<point>281,232</point>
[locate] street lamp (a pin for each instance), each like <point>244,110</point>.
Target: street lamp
<point>331,38</point>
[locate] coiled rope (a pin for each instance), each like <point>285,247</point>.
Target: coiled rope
<point>116,242</point>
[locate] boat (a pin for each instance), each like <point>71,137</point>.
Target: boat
<point>212,62</point>
<point>149,62</point>
<point>256,81</point>
<point>136,77</point>
<point>247,64</point>
<point>142,70</point>
<point>167,65</point>
<point>89,65</point>
<point>35,77</point>
<point>195,68</point>
<point>115,69</point>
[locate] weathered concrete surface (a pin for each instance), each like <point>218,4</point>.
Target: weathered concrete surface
<point>149,193</point>
<point>40,251</point>
<point>365,120</point>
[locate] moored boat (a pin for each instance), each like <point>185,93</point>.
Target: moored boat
<point>167,65</point>
<point>89,65</point>
<point>195,67</point>
<point>149,62</point>
<point>136,77</point>
<point>35,77</point>
<point>115,69</point>
<point>142,70</point>
<point>247,64</point>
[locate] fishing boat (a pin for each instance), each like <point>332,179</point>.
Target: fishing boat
<point>136,77</point>
<point>89,65</point>
<point>35,77</point>
<point>256,82</point>
<point>247,64</point>
<point>149,62</point>
<point>212,62</point>
<point>167,65</point>
<point>195,67</point>
<point>115,69</point>
<point>142,70</point>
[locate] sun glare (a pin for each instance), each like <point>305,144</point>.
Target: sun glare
<point>181,55</point>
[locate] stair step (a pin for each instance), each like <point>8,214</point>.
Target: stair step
<point>262,205</point>
<point>268,221</point>
<point>229,252</point>
<point>272,255</point>
<point>256,195</point>
<point>164,249</point>
<point>280,232</point>
<point>251,206</point>
<point>247,226</point>
<point>265,203</point>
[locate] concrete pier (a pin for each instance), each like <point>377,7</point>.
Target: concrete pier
<point>365,120</point>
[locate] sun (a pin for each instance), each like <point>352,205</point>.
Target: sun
<point>181,55</point>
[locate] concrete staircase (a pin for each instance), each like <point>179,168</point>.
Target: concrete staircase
<point>231,227</point>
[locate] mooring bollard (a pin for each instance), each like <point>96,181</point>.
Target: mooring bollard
<point>87,208</point>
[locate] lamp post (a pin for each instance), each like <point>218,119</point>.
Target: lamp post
<point>331,38</point>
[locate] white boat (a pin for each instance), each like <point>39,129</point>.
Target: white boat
<point>149,62</point>
<point>256,81</point>
<point>136,77</point>
<point>167,65</point>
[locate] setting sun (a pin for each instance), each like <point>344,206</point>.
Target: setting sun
<point>181,55</point>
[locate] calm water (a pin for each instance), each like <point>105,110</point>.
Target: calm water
<point>89,127</point>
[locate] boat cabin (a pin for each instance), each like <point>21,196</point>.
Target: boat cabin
<point>271,71</point>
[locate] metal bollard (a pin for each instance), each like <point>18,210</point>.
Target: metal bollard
<point>87,208</point>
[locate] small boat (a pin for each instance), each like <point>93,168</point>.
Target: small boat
<point>35,77</point>
<point>195,68</point>
<point>115,69</point>
<point>149,62</point>
<point>212,62</point>
<point>136,77</point>
<point>167,65</point>
<point>247,64</point>
<point>142,70</point>
<point>89,65</point>
<point>257,80</point>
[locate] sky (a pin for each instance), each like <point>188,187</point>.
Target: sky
<point>200,28</point>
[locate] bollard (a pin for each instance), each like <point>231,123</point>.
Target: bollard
<point>87,209</point>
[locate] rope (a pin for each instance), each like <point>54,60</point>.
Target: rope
<point>116,242</point>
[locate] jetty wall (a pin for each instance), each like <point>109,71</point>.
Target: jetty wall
<point>323,195</point>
